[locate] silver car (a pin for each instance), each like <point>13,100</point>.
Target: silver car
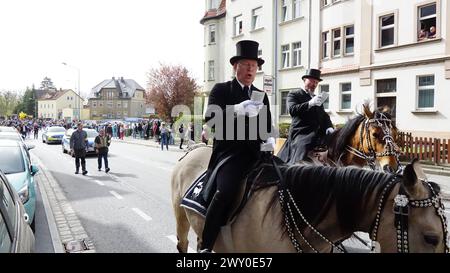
<point>16,235</point>
<point>53,134</point>
<point>91,134</point>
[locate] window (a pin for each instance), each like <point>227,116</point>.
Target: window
<point>100,103</point>
<point>325,2</point>
<point>125,114</point>
<point>387,30</point>
<point>325,88</point>
<point>285,56</point>
<point>68,98</point>
<point>426,91</point>
<point>349,39</point>
<point>386,86</point>
<point>296,9</point>
<point>119,104</point>
<point>110,104</point>
<point>119,114</point>
<point>125,104</point>
<point>256,18</point>
<point>297,54</point>
<point>336,42</point>
<point>237,21</point>
<point>70,105</point>
<point>285,16</point>
<point>427,22</point>
<point>325,44</point>
<point>212,34</point>
<point>346,96</point>
<point>210,70</point>
<point>284,109</point>
<point>94,104</point>
<point>260,56</point>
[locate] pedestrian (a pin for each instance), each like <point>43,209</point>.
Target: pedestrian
<point>164,136</point>
<point>102,142</point>
<point>181,131</point>
<point>233,154</point>
<point>205,136</point>
<point>78,146</point>
<point>310,123</point>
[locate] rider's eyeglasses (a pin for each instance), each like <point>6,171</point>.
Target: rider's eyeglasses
<point>248,65</point>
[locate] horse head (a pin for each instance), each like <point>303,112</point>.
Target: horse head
<point>413,218</point>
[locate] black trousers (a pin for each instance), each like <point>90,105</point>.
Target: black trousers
<point>181,143</point>
<point>229,180</point>
<point>80,155</point>
<point>103,155</point>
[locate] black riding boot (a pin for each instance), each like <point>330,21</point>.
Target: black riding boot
<point>215,218</point>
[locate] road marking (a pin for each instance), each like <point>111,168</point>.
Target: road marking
<point>174,239</point>
<point>116,195</point>
<point>99,182</point>
<point>142,214</point>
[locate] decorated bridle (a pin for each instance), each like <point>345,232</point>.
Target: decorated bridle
<point>402,206</point>
<point>390,147</point>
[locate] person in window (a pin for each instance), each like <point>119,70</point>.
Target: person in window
<point>432,33</point>
<point>234,153</point>
<point>310,123</point>
<point>423,34</point>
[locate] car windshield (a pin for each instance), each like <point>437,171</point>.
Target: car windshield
<point>56,129</point>
<point>11,160</point>
<point>91,133</point>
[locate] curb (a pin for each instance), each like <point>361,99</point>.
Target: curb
<point>68,235</point>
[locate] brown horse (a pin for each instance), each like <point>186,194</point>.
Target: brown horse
<point>367,139</point>
<point>318,207</point>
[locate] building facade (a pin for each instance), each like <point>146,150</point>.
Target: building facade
<point>391,53</point>
<point>117,99</point>
<point>58,104</point>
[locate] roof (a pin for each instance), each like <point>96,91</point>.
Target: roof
<point>53,95</point>
<point>215,13</point>
<point>125,87</point>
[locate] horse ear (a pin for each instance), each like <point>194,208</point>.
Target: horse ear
<point>367,112</point>
<point>409,173</point>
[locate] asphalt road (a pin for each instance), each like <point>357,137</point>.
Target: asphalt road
<point>128,209</point>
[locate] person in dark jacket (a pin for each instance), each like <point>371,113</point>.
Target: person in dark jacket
<point>102,142</point>
<point>310,123</point>
<point>78,144</point>
<point>239,151</point>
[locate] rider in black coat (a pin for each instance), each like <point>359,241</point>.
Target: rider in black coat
<point>241,147</point>
<point>310,123</point>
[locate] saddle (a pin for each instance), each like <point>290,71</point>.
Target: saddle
<point>199,195</point>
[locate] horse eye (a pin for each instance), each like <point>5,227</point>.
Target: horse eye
<point>375,135</point>
<point>431,239</point>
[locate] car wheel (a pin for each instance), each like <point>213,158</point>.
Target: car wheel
<point>64,150</point>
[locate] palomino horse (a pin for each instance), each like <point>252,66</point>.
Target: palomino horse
<point>367,139</point>
<point>317,207</point>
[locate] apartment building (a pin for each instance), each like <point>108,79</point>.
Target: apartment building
<point>391,53</point>
<point>117,99</point>
<point>58,104</point>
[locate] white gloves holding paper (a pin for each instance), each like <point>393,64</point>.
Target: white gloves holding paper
<point>269,146</point>
<point>248,107</point>
<point>318,100</point>
<point>329,131</point>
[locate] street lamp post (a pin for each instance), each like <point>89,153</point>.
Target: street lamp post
<point>77,101</point>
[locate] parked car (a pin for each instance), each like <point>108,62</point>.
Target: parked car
<point>91,134</point>
<point>15,136</point>
<point>16,235</point>
<point>16,165</point>
<point>53,134</point>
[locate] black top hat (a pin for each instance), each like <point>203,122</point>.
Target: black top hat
<point>247,49</point>
<point>312,73</point>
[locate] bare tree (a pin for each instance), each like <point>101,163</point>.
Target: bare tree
<point>169,86</point>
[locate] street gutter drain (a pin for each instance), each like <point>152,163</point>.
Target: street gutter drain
<point>76,246</point>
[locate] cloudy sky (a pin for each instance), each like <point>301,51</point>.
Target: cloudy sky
<point>102,38</point>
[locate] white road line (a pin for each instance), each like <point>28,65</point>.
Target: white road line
<point>142,214</point>
<point>116,195</point>
<point>99,182</point>
<point>173,238</point>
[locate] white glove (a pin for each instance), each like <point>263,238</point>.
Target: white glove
<point>269,145</point>
<point>248,107</point>
<point>315,101</point>
<point>329,131</point>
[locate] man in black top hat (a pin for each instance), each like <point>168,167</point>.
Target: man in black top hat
<point>241,147</point>
<point>310,123</point>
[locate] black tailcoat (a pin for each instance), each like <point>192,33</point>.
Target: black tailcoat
<point>307,129</point>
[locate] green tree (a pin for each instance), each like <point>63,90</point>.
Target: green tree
<point>27,103</point>
<point>8,102</point>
